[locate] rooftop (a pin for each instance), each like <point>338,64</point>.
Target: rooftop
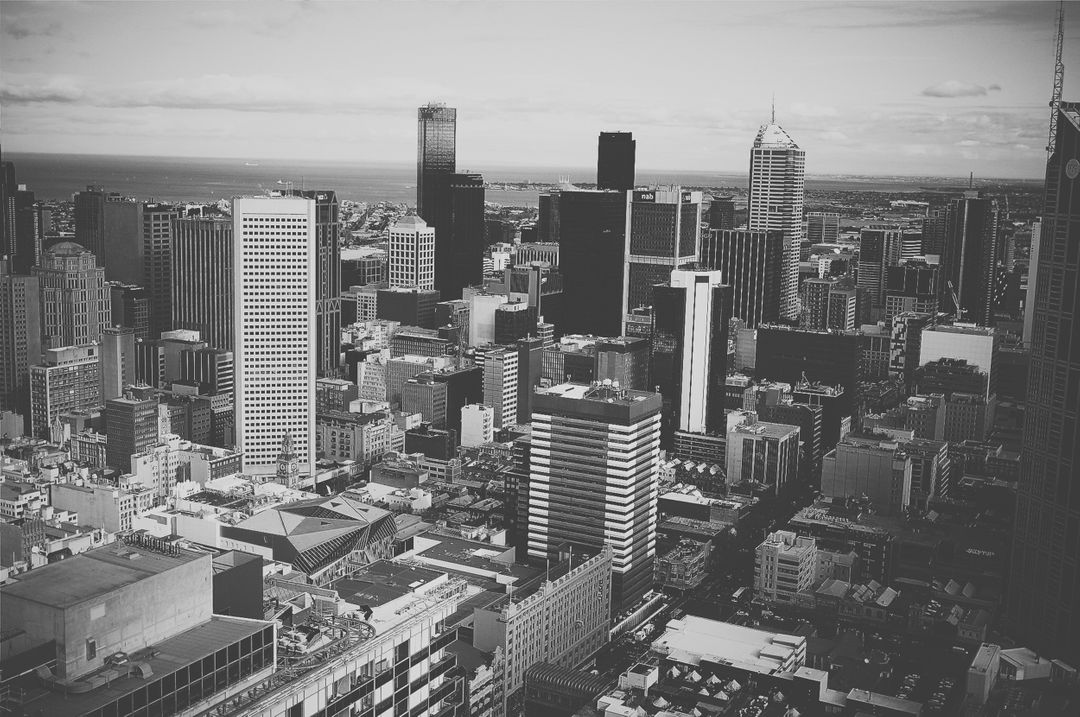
<point>773,135</point>
<point>93,574</point>
<point>383,581</point>
<point>693,639</point>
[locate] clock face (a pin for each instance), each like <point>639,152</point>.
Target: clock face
<point>1072,168</point>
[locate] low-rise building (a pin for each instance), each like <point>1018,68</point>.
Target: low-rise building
<point>784,565</point>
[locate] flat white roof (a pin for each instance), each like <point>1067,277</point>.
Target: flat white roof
<point>694,638</point>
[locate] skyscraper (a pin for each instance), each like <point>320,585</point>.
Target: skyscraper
<point>775,201</point>
<point>117,361</point>
<point>131,308</point>
<point>721,213</point>
<point>436,154</point>
<point>459,235</point>
<point>592,232</point>
<point>274,319</point>
<point>202,279</point>
<point>132,426</point>
<point>878,250</point>
<point>500,381</point>
<point>1032,281</point>
<point>327,280</point>
<point>157,262</point>
<point>90,221</point>
<point>933,232</point>
<point>971,238</point>
<point>615,161</point>
<point>912,286</point>
<point>76,303</point>
<point>1044,578</point>
<point>689,350</point>
<point>594,464</point>
<point>751,262</point>
<point>822,227</point>
<point>20,337</point>
<point>412,254</point>
<point>663,232</point>
<point>19,218</point>
<point>125,250</point>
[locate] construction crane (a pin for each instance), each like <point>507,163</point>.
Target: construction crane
<point>956,301</point>
<point>1059,78</point>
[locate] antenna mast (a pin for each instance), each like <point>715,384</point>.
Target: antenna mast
<point>1059,78</point>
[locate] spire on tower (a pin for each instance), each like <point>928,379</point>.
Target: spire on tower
<point>772,120</point>
<point>1059,78</point>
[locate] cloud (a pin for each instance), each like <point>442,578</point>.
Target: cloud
<point>21,28</point>
<point>956,88</point>
<point>54,90</point>
<point>994,88</point>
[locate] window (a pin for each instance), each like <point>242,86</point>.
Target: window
<point>91,648</point>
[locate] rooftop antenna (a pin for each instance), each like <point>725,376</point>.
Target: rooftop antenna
<point>971,180</point>
<point>1059,78</point>
<point>773,117</point>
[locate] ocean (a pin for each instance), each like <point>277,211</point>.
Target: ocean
<point>180,179</point>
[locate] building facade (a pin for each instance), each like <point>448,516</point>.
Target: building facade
<point>202,279</point>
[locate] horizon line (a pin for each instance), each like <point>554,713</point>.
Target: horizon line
<point>498,165</point>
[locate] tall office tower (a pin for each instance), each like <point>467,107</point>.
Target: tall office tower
<point>275,339</point>
<point>933,231</point>
<point>722,213</point>
<point>500,370</point>
<point>822,227</point>
<point>912,286</point>
<point>751,263</point>
<point>459,235</point>
<point>594,475</point>
<point>8,187</point>
<point>125,249</point>
<point>463,386</point>
<point>592,231</point>
<point>878,250</point>
<point>202,279</point>
<point>131,308</point>
<point>1032,281</point>
<point>76,303</point>
<point>68,379</point>
<point>663,232</point>
<point>624,359</point>
<point>20,338</point>
<point>530,360</point>
<point>436,154</point>
<point>971,239</point>
<point>132,426</point>
<point>117,361</point>
<point>20,220</point>
<point>689,351</point>
<point>157,263</point>
<point>615,161</point>
<point>412,253</point>
<point>327,280</point>
<point>1045,582</point>
<point>775,201</point>
<point>90,221</point>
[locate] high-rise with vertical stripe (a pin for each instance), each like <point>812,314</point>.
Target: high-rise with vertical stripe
<point>274,267</point>
<point>775,201</point>
<point>202,279</point>
<point>594,465</point>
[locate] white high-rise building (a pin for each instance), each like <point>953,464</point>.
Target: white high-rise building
<point>500,381</point>
<point>477,424</point>
<point>412,253</point>
<point>274,261</point>
<point>775,201</point>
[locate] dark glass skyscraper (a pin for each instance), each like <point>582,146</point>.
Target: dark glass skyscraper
<point>1044,580</point>
<point>90,221</point>
<point>592,230</point>
<point>327,281</point>
<point>971,237</point>
<point>459,237</point>
<point>615,161</point>
<point>436,154</point>
<point>202,279</point>
<point>751,262</point>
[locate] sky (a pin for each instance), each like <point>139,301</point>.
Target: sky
<point>873,88</point>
